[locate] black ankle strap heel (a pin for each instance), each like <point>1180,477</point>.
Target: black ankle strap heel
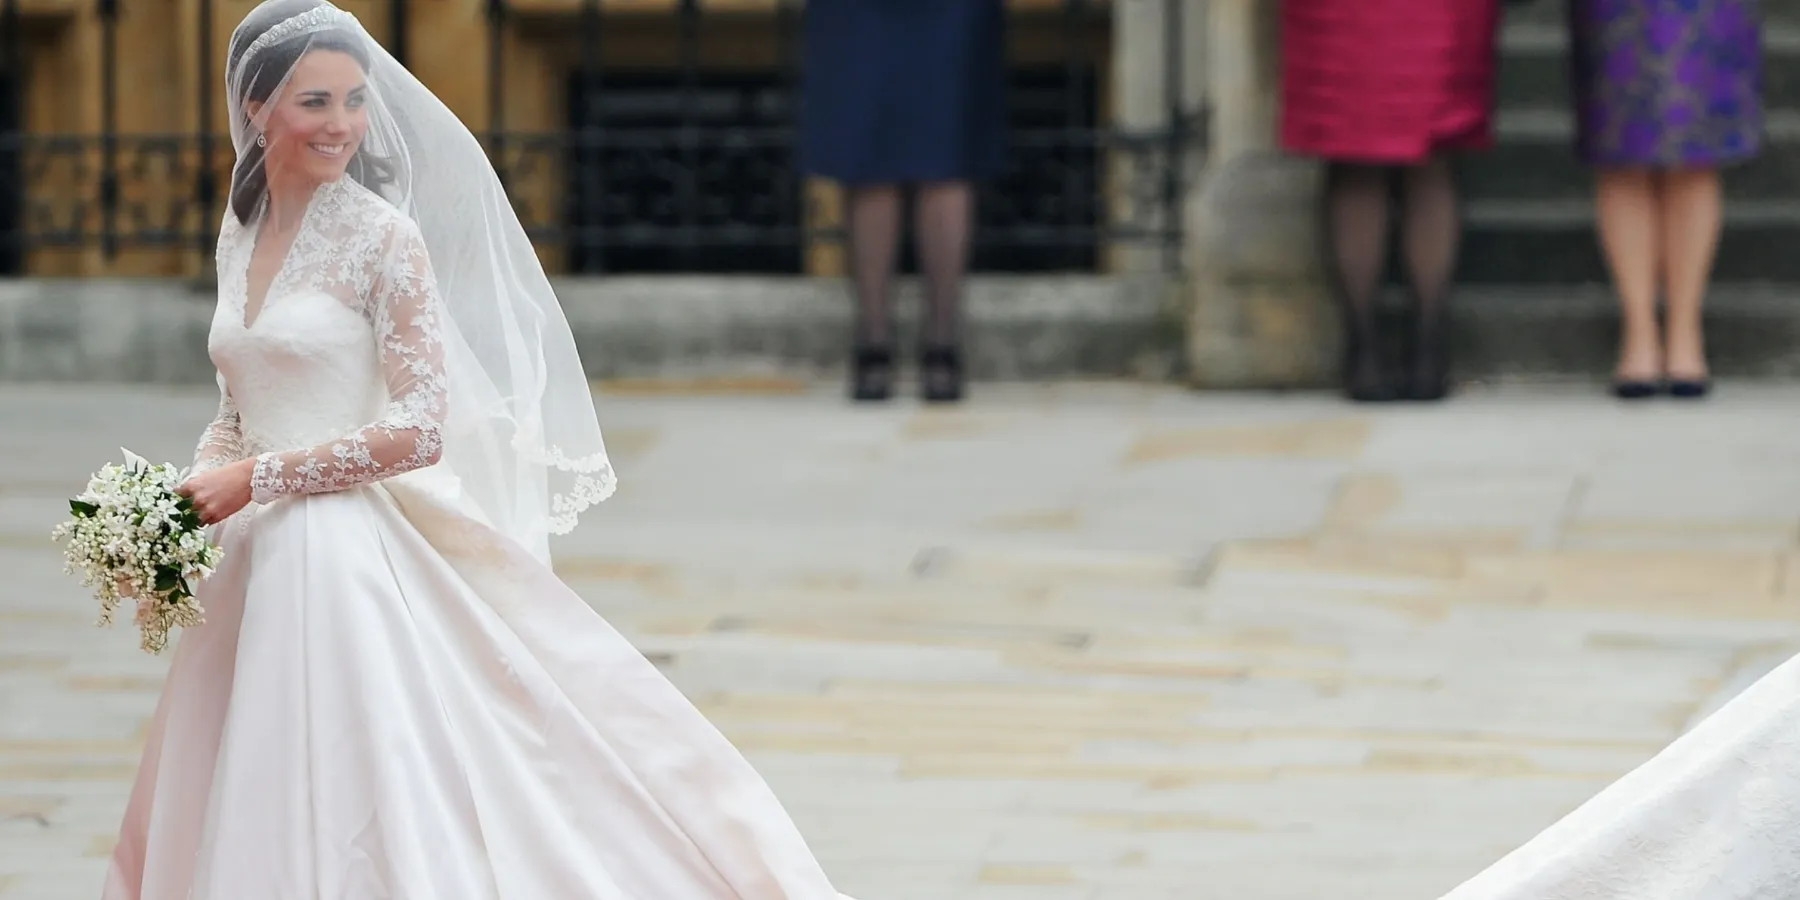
<point>941,373</point>
<point>872,373</point>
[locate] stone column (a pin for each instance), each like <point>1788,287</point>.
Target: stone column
<point>1141,83</point>
<point>1259,314</point>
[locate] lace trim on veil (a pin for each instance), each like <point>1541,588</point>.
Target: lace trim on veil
<point>595,481</point>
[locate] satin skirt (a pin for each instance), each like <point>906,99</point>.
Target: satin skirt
<point>388,701</point>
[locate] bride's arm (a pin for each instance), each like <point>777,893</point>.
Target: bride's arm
<point>222,442</point>
<point>409,435</point>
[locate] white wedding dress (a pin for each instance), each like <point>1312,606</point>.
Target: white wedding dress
<point>389,700</point>
<point>1714,816</point>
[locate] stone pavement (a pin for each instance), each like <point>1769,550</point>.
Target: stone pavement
<point>1076,643</point>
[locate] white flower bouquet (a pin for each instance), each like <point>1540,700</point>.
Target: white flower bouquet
<point>132,536</point>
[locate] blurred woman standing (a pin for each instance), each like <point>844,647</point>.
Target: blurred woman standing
<point>1666,92</point>
<point>906,96</point>
<point>1388,91</point>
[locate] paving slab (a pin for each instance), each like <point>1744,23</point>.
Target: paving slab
<point>1075,642</point>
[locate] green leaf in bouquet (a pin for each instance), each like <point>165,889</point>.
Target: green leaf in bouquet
<point>168,578</point>
<point>84,509</point>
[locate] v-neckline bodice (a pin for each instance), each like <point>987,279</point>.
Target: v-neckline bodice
<point>271,292</point>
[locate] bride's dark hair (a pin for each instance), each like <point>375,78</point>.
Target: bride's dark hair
<point>250,178</point>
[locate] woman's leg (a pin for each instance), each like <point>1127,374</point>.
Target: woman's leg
<point>1356,226</point>
<point>944,221</point>
<point>1630,233</point>
<point>874,224</point>
<point>1431,233</point>
<point>1693,212</point>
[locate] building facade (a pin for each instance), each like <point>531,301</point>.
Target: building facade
<point>634,135</point>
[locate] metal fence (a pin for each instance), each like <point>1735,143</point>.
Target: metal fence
<point>683,168</point>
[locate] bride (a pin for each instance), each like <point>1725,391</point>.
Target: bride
<point>393,696</point>
<point>1715,816</point>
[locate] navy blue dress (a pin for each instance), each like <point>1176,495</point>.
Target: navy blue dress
<point>904,90</point>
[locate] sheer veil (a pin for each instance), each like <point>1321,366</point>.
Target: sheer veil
<point>520,436</point>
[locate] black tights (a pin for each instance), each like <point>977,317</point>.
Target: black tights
<point>1358,204</point>
<point>942,222</point>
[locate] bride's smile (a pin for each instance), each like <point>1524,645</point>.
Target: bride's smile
<point>315,122</point>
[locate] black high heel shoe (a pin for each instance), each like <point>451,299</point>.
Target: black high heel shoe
<point>1689,388</point>
<point>941,374</point>
<point>872,373</point>
<point>1635,388</point>
<point>1428,374</point>
<point>1429,380</point>
<point>1364,381</point>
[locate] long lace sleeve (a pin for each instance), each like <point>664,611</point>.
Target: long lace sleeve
<point>404,310</point>
<point>223,440</point>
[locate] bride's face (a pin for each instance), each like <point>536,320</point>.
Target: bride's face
<point>319,119</point>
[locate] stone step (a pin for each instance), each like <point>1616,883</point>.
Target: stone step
<point>723,332</point>
<point>1536,160</point>
<point>676,332</point>
<point>1534,66</point>
<point>1570,332</point>
<point>1554,13</point>
<point>1553,243</point>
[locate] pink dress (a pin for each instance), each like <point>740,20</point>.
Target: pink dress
<point>1387,81</point>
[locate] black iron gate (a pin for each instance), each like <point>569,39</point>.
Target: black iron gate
<point>12,125</point>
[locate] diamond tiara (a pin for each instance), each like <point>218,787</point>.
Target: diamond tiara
<point>312,20</point>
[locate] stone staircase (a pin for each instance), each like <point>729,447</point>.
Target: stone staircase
<point>1535,300</point>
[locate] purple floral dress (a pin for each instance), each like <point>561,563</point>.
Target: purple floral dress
<point>1667,83</point>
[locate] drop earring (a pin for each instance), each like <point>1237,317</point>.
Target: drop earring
<point>262,141</point>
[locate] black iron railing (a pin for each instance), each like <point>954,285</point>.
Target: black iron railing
<point>676,167</point>
<point>12,115</point>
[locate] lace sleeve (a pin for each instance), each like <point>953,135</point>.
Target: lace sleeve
<point>404,310</point>
<point>222,442</point>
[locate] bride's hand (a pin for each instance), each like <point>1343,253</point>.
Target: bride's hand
<point>221,492</point>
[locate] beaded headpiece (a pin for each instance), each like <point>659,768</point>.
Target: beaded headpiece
<point>312,20</point>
